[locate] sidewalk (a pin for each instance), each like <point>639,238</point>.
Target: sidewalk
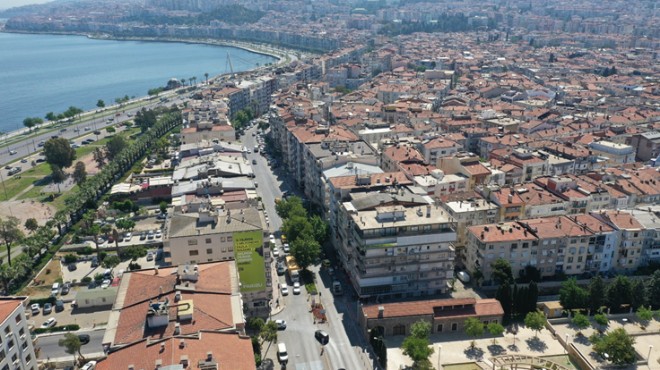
<point>276,308</point>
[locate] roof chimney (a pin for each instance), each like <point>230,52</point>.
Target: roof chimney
<point>381,311</point>
<point>209,356</point>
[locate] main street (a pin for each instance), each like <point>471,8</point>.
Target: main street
<point>345,349</point>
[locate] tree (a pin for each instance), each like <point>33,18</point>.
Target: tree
<point>320,229</point>
<point>290,207</point>
<point>572,296</point>
<point>99,157</point>
<point>618,292</point>
<point>145,118</point>
<point>532,296</point>
<point>637,294</point>
<point>618,345</point>
<point>31,224</point>
<point>100,103</point>
<point>134,252</point>
<point>503,295</point>
<point>502,271</point>
<point>653,290</point>
<point>474,328</point>
<point>644,314</point>
<point>416,345</point>
<point>163,207</point>
<point>71,344</point>
<point>115,146</point>
<point>206,75</point>
<point>305,250</point>
<point>597,292</point>
<point>529,273</point>
<point>30,122</point>
<point>581,322</point>
<point>59,152</point>
<point>110,261</point>
<point>79,173</point>
<point>116,236</point>
<point>535,321</point>
<point>268,332</point>
<point>496,329</point>
<point>125,224</point>
<point>601,320</point>
<point>51,116</point>
<point>297,227</point>
<point>57,175</point>
<point>10,233</point>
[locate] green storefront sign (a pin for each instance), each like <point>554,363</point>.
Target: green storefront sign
<point>249,257</point>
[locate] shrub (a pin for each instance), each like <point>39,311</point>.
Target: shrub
<point>86,280</point>
<point>42,301</point>
<point>70,258</point>
<point>86,251</point>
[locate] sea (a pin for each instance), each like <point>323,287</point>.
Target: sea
<point>49,73</point>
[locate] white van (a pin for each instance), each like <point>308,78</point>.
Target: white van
<point>282,355</point>
<point>55,289</point>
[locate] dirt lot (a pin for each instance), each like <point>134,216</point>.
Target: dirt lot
<point>24,209</point>
<point>45,280</point>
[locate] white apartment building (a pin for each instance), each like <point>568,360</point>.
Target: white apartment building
<point>16,349</point>
<point>395,245</point>
<point>469,213</point>
<point>615,153</point>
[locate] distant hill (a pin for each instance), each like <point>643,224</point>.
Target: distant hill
<point>233,14</point>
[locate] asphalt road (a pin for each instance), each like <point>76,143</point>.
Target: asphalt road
<point>49,347</point>
<point>29,146</point>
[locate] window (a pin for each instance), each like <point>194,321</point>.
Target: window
<point>223,239</point>
<point>454,326</point>
<point>439,328</point>
<point>399,329</point>
<point>194,252</point>
<point>209,251</point>
<point>208,240</point>
<point>18,319</point>
<point>229,238</point>
<point>192,241</point>
<point>7,330</point>
<point>21,333</point>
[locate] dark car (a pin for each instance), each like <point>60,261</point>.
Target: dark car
<point>322,337</point>
<point>95,261</point>
<point>72,267</point>
<point>91,285</point>
<point>66,288</point>
<point>84,338</point>
<point>59,305</point>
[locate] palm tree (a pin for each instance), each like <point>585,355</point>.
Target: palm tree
<point>183,81</point>
<point>206,75</point>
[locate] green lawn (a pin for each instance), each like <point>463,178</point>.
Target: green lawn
<point>15,185</point>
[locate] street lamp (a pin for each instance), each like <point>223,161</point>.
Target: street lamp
<point>648,358</point>
<point>439,354</point>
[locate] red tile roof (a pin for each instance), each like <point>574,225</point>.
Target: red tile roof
<point>229,350</point>
<point>8,305</point>
<point>439,308</point>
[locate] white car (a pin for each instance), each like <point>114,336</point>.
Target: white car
<point>158,234</point>
<point>89,366</point>
<point>276,252</point>
<point>35,308</point>
<point>127,237</point>
<point>285,290</point>
<point>272,238</point>
<point>49,323</point>
<point>281,324</point>
<point>106,283</point>
<point>296,288</point>
<point>286,248</point>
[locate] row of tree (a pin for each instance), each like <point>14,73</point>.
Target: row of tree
<point>305,234</point>
<point>519,300</point>
<point>615,294</point>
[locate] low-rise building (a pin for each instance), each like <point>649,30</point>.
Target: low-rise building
<point>444,315</point>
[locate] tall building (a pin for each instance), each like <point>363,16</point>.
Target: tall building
<point>16,350</point>
<point>396,244</point>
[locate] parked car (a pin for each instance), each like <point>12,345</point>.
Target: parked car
<point>95,261</point>
<point>84,338</point>
<point>281,270</point>
<point>59,305</point>
<point>143,236</point>
<point>49,323</point>
<point>48,308</point>
<point>72,267</point>
<point>89,366</point>
<point>128,237</point>
<point>158,234</point>
<point>276,252</point>
<point>286,248</point>
<point>35,308</point>
<point>296,288</point>
<point>285,290</point>
<point>12,152</point>
<point>106,283</point>
<point>150,256</point>
<point>66,288</point>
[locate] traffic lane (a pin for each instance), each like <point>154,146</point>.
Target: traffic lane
<point>49,347</point>
<point>304,351</point>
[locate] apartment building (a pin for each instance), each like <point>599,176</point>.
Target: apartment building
<point>469,213</point>
<point>615,153</point>
<point>602,244</point>
<point>395,244</point>
<point>647,145</point>
<point>16,349</point>
<point>238,235</point>
<point>629,255</point>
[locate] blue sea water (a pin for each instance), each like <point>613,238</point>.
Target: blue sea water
<point>49,73</point>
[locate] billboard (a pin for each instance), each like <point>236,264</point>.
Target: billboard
<point>248,253</point>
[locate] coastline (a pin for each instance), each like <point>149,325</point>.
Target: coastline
<point>282,56</point>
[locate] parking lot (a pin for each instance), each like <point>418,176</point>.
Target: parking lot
<point>84,268</point>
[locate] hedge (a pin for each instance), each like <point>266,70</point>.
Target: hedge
<point>56,329</point>
<point>42,301</point>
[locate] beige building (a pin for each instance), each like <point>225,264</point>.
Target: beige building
<point>444,315</point>
<point>396,245</point>
<point>469,213</point>
<point>17,351</point>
